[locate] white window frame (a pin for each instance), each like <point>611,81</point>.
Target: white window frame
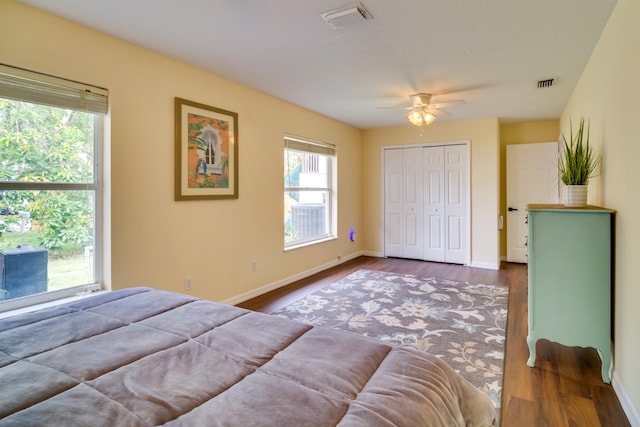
<point>309,146</point>
<point>20,84</point>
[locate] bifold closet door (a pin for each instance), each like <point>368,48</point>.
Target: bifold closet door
<point>426,203</point>
<point>445,204</point>
<point>404,182</point>
<point>455,204</point>
<point>434,198</point>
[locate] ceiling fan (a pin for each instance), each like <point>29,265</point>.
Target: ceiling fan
<point>423,110</point>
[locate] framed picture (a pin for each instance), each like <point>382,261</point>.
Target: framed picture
<point>206,152</point>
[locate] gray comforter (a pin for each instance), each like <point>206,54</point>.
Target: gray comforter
<point>143,357</point>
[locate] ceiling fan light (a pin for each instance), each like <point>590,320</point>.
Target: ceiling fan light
<point>428,118</point>
<point>420,117</point>
<point>415,117</point>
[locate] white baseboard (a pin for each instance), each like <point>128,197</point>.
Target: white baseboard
<point>288,280</point>
<point>623,397</point>
<point>485,265</point>
<point>372,254</point>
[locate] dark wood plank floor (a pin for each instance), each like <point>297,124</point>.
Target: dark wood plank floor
<point>565,387</point>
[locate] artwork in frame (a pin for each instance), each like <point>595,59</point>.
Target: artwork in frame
<point>206,152</point>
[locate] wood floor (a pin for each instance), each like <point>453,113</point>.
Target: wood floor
<point>565,387</point>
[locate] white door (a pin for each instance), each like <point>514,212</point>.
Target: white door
<point>426,203</point>
<point>404,203</point>
<point>434,199</point>
<point>413,203</point>
<point>455,168</point>
<point>393,200</point>
<point>532,177</point>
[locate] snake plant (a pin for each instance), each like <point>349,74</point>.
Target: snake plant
<point>578,163</point>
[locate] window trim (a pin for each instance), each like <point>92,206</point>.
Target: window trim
<point>21,84</point>
<point>305,145</point>
<point>24,85</point>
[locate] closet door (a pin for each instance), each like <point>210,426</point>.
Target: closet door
<point>434,209</point>
<point>426,203</point>
<point>393,203</point>
<point>455,203</point>
<point>413,203</point>
<point>404,181</point>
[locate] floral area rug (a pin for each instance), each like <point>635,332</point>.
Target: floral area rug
<point>462,323</point>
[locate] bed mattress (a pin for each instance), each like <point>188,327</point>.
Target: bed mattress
<point>145,357</point>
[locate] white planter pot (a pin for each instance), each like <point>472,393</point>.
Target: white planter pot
<point>575,196</point>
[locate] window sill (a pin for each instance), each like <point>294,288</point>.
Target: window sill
<point>48,304</point>
<point>305,244</point>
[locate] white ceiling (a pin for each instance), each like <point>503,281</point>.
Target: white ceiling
<point>490,53</point>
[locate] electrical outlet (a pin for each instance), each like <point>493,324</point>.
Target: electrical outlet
<point>188,284</point>
<point>254,266</point>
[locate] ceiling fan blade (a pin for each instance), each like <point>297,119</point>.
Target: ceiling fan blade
<point>395,108</point>
<point>437,111</point>
<point>442,102</point>
<point>425,102</point>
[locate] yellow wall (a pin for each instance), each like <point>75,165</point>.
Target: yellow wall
<point>156,241</point>
<point>607,94</point>
<point>483,135</point>
<point>520,133</point>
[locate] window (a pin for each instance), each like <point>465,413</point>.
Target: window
<point>308,191</point>
<point>50,193</point>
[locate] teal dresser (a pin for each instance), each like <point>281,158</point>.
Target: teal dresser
<point>570,270</point>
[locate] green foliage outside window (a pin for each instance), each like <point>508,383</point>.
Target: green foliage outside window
<point>45,144</point>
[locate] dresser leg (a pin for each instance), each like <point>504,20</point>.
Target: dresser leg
<point>605,358</point>
<point>531,342</point>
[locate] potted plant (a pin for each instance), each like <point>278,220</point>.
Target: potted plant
<point>577,164</point>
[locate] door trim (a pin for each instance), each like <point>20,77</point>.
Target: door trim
<point>467,144</point>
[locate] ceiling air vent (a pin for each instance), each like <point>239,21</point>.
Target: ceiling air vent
<point>545,83</point>
<point>340,18</point>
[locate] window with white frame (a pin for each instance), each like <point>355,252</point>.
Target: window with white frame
<point>50,186</point>
<point>308,191</point>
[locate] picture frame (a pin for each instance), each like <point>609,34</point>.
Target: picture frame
<point>206,152</point>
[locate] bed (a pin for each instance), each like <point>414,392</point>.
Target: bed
<point>145,357</point>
